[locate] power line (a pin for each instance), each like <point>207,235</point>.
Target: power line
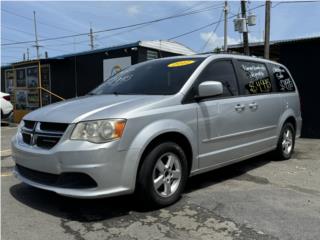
<point>232,16</point>
<point>118,33</point>
<point>194,30</point>
<point>17,30</point>
<point>208,25</point>
<point>136,28</point>
<point>31,19</point>
<point>277,4</point>
<point>130,30</point>
<point>215,29</point>
<point>117,28</point>
<point>28,33</point>
<point>14,48</point>
<point>139,27</point>
<point>7,39</point>
<point>193,6</point>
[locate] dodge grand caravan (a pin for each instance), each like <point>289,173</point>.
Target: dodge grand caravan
<point>154,124</point>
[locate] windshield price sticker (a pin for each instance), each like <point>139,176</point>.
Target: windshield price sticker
<point>181,63</point>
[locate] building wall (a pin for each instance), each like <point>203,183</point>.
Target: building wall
<point>303,62</point>
<point>77,75</point>
<point>62,81</point>
<point>143,54</point>
<point>3,88</point>
<point>74,76</point>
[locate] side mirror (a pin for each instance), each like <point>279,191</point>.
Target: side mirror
<point>209,89</point>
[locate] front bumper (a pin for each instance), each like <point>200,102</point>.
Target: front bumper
<point>112,170</point>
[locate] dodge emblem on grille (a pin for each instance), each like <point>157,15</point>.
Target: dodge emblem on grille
<point>33,139</point>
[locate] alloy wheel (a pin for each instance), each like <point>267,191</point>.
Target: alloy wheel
<point>167,175</point>
<point>287,142</point>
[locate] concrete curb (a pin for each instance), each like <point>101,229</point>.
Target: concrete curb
<point>6,153</point>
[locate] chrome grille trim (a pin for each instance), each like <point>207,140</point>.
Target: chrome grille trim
<point>39,130</point>
<point>42,138</point>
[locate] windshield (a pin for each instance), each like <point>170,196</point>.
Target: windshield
<point>158,77</point>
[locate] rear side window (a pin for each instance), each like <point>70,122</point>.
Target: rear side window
<point>282,78</point>
<point>255,78</point>
<point>221,71</point>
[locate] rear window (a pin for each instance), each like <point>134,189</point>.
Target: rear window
<point>282,78</point>
<point>255,78</point>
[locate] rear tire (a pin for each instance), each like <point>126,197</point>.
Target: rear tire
<point>286,142</point>
<point>163,175</point>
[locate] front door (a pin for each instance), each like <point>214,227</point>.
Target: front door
<point>222,119</point>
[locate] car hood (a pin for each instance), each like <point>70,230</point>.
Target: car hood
<point>93,107</point>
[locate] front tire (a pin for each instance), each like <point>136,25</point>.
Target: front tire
<point>286,142</point>
<point>163,175</point>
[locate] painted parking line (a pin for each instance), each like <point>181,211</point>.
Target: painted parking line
<point>6,174</point>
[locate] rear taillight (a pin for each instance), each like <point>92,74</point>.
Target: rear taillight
<point>7,97</point>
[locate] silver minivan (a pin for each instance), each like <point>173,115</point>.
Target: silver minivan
<point>154,124</point>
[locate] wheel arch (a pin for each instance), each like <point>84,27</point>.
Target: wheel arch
<point>172,136</point>
<point>287,116</point>
<point>291,120</point>
<point>163,130</point>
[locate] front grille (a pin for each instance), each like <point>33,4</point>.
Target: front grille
<point>29,124</point>
<point>42,134</point>
<point>26,138</point>
<point>64,180</point>
<point>47,141</point>
<point>56,127</point>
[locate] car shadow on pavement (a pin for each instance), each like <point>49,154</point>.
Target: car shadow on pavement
<point>234,171</point>
<point>91,210</point>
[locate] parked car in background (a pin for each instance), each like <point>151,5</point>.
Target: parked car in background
<point>151,126</point>
<point>6,106</point>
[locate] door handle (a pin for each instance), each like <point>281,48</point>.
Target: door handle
<point>239,107</point>
<point>253,106</point>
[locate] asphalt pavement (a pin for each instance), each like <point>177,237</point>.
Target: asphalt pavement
<point>256,199</point>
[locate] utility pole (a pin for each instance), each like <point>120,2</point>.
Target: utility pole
<point>28,55</point>
<point>225,26</point>
<point>36,35</point>
<point>245,33</point>
<point>267,30</point>
<point>91,38</point>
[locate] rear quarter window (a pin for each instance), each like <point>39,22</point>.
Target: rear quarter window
<point>282,78</point>
<point>255,78</point>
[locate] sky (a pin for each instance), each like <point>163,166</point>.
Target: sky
<point>59,18</point>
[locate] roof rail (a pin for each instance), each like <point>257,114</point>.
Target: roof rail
<point>233,53</point>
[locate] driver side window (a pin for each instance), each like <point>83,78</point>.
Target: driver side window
<point>221,71</point>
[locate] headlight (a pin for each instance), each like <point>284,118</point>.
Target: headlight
<point>99,131</point>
